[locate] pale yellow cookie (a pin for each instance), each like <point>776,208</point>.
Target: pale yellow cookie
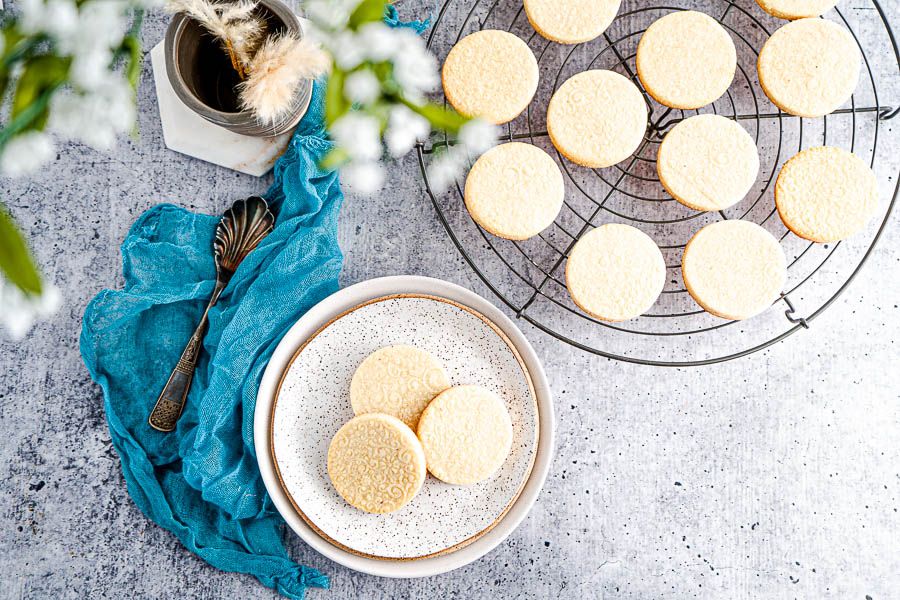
<point>514,190</point>
<point>686,60</point>
<point>615,272</point>
<point>707,162</point>
<point>466,433</point>
<point>796,9</point>
<point>826,194</point>
<point>376,463</point>
<point>597,118</point>
<point>399,381</point>
<point>809,67</point>
<point>734,269</point>
<point>490,74</point>
<point>571,21</point>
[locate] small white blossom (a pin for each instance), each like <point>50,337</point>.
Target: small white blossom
<point>18,312</point>
<point>405,128</point>
<point>365,177</point>
<point>362,87</point>
<point>25,153</point>
<point>415,68</point>
<point>359,135</point>
<point>445,169</point>
<point>90,69</point>
<point>96,118</point>
<point>379,42</point>
<point>347,53</point>
<point>478,137</point>
<point>328,14</point>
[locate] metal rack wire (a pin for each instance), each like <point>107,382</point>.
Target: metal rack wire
<point>528,276</point>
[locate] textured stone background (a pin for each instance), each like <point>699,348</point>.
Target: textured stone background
<point>772,476</point>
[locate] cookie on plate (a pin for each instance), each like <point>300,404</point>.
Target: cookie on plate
<point>826,194</point>
<point>399,381</point>
<point>615,272</point>
<point>514,190</point>
<point>376,463</point>
<point>466,433</point>
<point>796,9</point>
<point>571,21</point>
<point>490,74</point>
<point>686,60</point>
<point>734,269</point>
<point>707,162</point>
<point>809,67</point>
<point>597,118</point>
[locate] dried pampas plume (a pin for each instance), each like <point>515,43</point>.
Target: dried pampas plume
<point>233,23</point>
<point>275,73</point>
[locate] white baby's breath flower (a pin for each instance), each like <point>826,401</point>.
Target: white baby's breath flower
<point>26,153</point>
<point>328,14</point>
<point>415,68</point>
<point>365,177</point>
<point>379,42</point>
<point>359,135</point>
<point>18,312</point>
<point>348,54</point>
<point>96,118</point>
<point>478,137</point>
<point>362,87</point>
<point>445,169</point>
<point>90,69</point>
<point>57,18</point>
<point>405,128</point>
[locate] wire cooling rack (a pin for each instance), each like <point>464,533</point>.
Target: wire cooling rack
<point>529,276</point>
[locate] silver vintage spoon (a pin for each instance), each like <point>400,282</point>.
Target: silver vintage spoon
<point>241,229</point>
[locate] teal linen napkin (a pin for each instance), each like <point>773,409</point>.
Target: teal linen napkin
<point>202,482</point>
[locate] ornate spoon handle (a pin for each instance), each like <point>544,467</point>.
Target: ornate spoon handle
<point>174,395</point>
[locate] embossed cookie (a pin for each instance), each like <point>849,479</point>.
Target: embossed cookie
<point>490,74</point>
<point>571,21</point>
<point>707,162</point>
<point>399,381</point>
<point>466,433</point>
<point>826,194</point>
<point>615,272</point>
<point>734,269</point>
<point>686,60</point>
<point>796,9</point>
<point>376,463</point>
<point>809,67</point>
<point>514,190</point>
<point>597,118</point>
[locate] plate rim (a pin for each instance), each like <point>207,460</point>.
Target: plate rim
<point>347,297</point>
<point>534,441</point>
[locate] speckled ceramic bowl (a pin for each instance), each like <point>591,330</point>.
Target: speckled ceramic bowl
<point>304,399</point>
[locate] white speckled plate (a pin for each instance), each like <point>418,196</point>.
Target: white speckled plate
<point>302,404</point>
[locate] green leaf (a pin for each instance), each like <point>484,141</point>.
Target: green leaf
<point>131,46</point>
<point>366,12</point>
<point>41,73</point>
<point>439,117</point>
<point>335,159</point>
<point>15,259</point>
<point>335,103</point>
<point>29,118</point>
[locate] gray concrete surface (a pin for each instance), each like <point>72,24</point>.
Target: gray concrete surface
<point>771,476</point>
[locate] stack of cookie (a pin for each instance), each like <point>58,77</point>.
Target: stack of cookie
<point>685,60</point>
<point>410,419</point>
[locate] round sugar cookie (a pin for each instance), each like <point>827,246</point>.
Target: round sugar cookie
<point>796,9</point>
<point>376,463</point>
<point>615,272</point>
<point>597,118</point>
<point>399,381</point>
<point>514,190</point>
<point>490,74</point>
<point>809,67</point>
<point>826,194</point>
<point>734,269</point>
<point>571,21</point>
<point>707,162</point>
<point>686,60</point>
<point>466,433</point>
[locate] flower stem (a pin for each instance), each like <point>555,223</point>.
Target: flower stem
<point>235,62</point>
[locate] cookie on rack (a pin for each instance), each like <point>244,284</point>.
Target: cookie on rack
<point>734,269</point>
<point>809,67</point>
<point>514,190</point>
<point>826,194</point>
<point>796,9</point>
<point>490,74</point>
<point>597,118</point>
<point>686,60</point>
<point>466,433</point>
<point>615,272</point>
<point>707,162</point>
<point>376,463</point>
<point>399,381</point>
<point>571,21</point>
